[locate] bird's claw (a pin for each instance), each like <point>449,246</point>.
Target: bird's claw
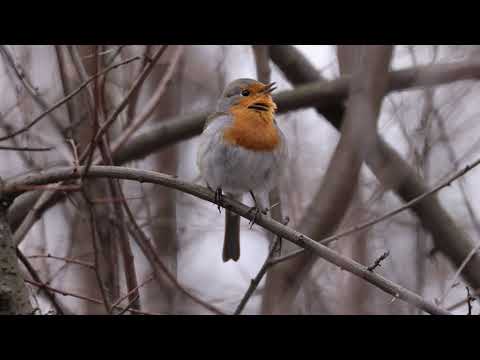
<point>218,199</point>
<point>256,212</point>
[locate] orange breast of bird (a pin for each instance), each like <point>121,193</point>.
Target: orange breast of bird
<point>252,130</point>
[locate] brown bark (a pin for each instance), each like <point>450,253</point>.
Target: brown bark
<point>14,297</point>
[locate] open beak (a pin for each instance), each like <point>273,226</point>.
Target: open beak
<point>269,88</point>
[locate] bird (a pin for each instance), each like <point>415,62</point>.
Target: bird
<point>242,150</point>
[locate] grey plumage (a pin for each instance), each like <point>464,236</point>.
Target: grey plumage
<point>235,169</point>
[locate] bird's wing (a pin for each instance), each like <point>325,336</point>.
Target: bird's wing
<point>281,152</point>
<point>211,135</point>
<point>222,116</point>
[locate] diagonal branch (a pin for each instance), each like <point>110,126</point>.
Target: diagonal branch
<point>143,176</point>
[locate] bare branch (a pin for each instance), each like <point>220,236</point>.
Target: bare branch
<point>151,105</point>
<point>65,259</point>
<point>34,274</point>
<point>67,173</point>
<point>136,84</point>
<point>66,98</point>
<point>26,148</point>
<point>261,273</point>
<point>86,298</point>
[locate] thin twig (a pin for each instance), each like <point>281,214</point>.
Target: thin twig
<point>47,198</point>
<point>26,148</point>
<point>152,103</point>
<point>18,71</point>
<point>136,84</point>
<point>463,302</point>
<point>453,159</point>
<point>125,249</point>
<point>356,228</point>
<point>150,278</point>
<point>261,273</point>
<point>65,259</point>
<point>157,264</point>
<point>130,304</point>
<point>378,262</point>
<point>67,98</point>
<point>86,298</point>
<point>406,206</point>
<point>458,272</point>
<point>31,90</point>
<point>34,274</point>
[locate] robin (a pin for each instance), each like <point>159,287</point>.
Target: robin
<point>242,150</point>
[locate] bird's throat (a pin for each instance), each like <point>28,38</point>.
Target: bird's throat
<point>252,129</point>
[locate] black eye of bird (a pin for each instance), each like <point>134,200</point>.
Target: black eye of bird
<point>245,92</point>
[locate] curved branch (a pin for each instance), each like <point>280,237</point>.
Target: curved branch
<point>69,173</point>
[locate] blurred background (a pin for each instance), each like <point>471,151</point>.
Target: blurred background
<point>87,243</point>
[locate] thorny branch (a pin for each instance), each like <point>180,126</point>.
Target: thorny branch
<point>378,262</point>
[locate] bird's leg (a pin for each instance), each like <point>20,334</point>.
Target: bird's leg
<point>263,211</point>
<point>218,197</point>
<point>256,210</point>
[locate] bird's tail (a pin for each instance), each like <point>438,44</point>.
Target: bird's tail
<point>231,241</point>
